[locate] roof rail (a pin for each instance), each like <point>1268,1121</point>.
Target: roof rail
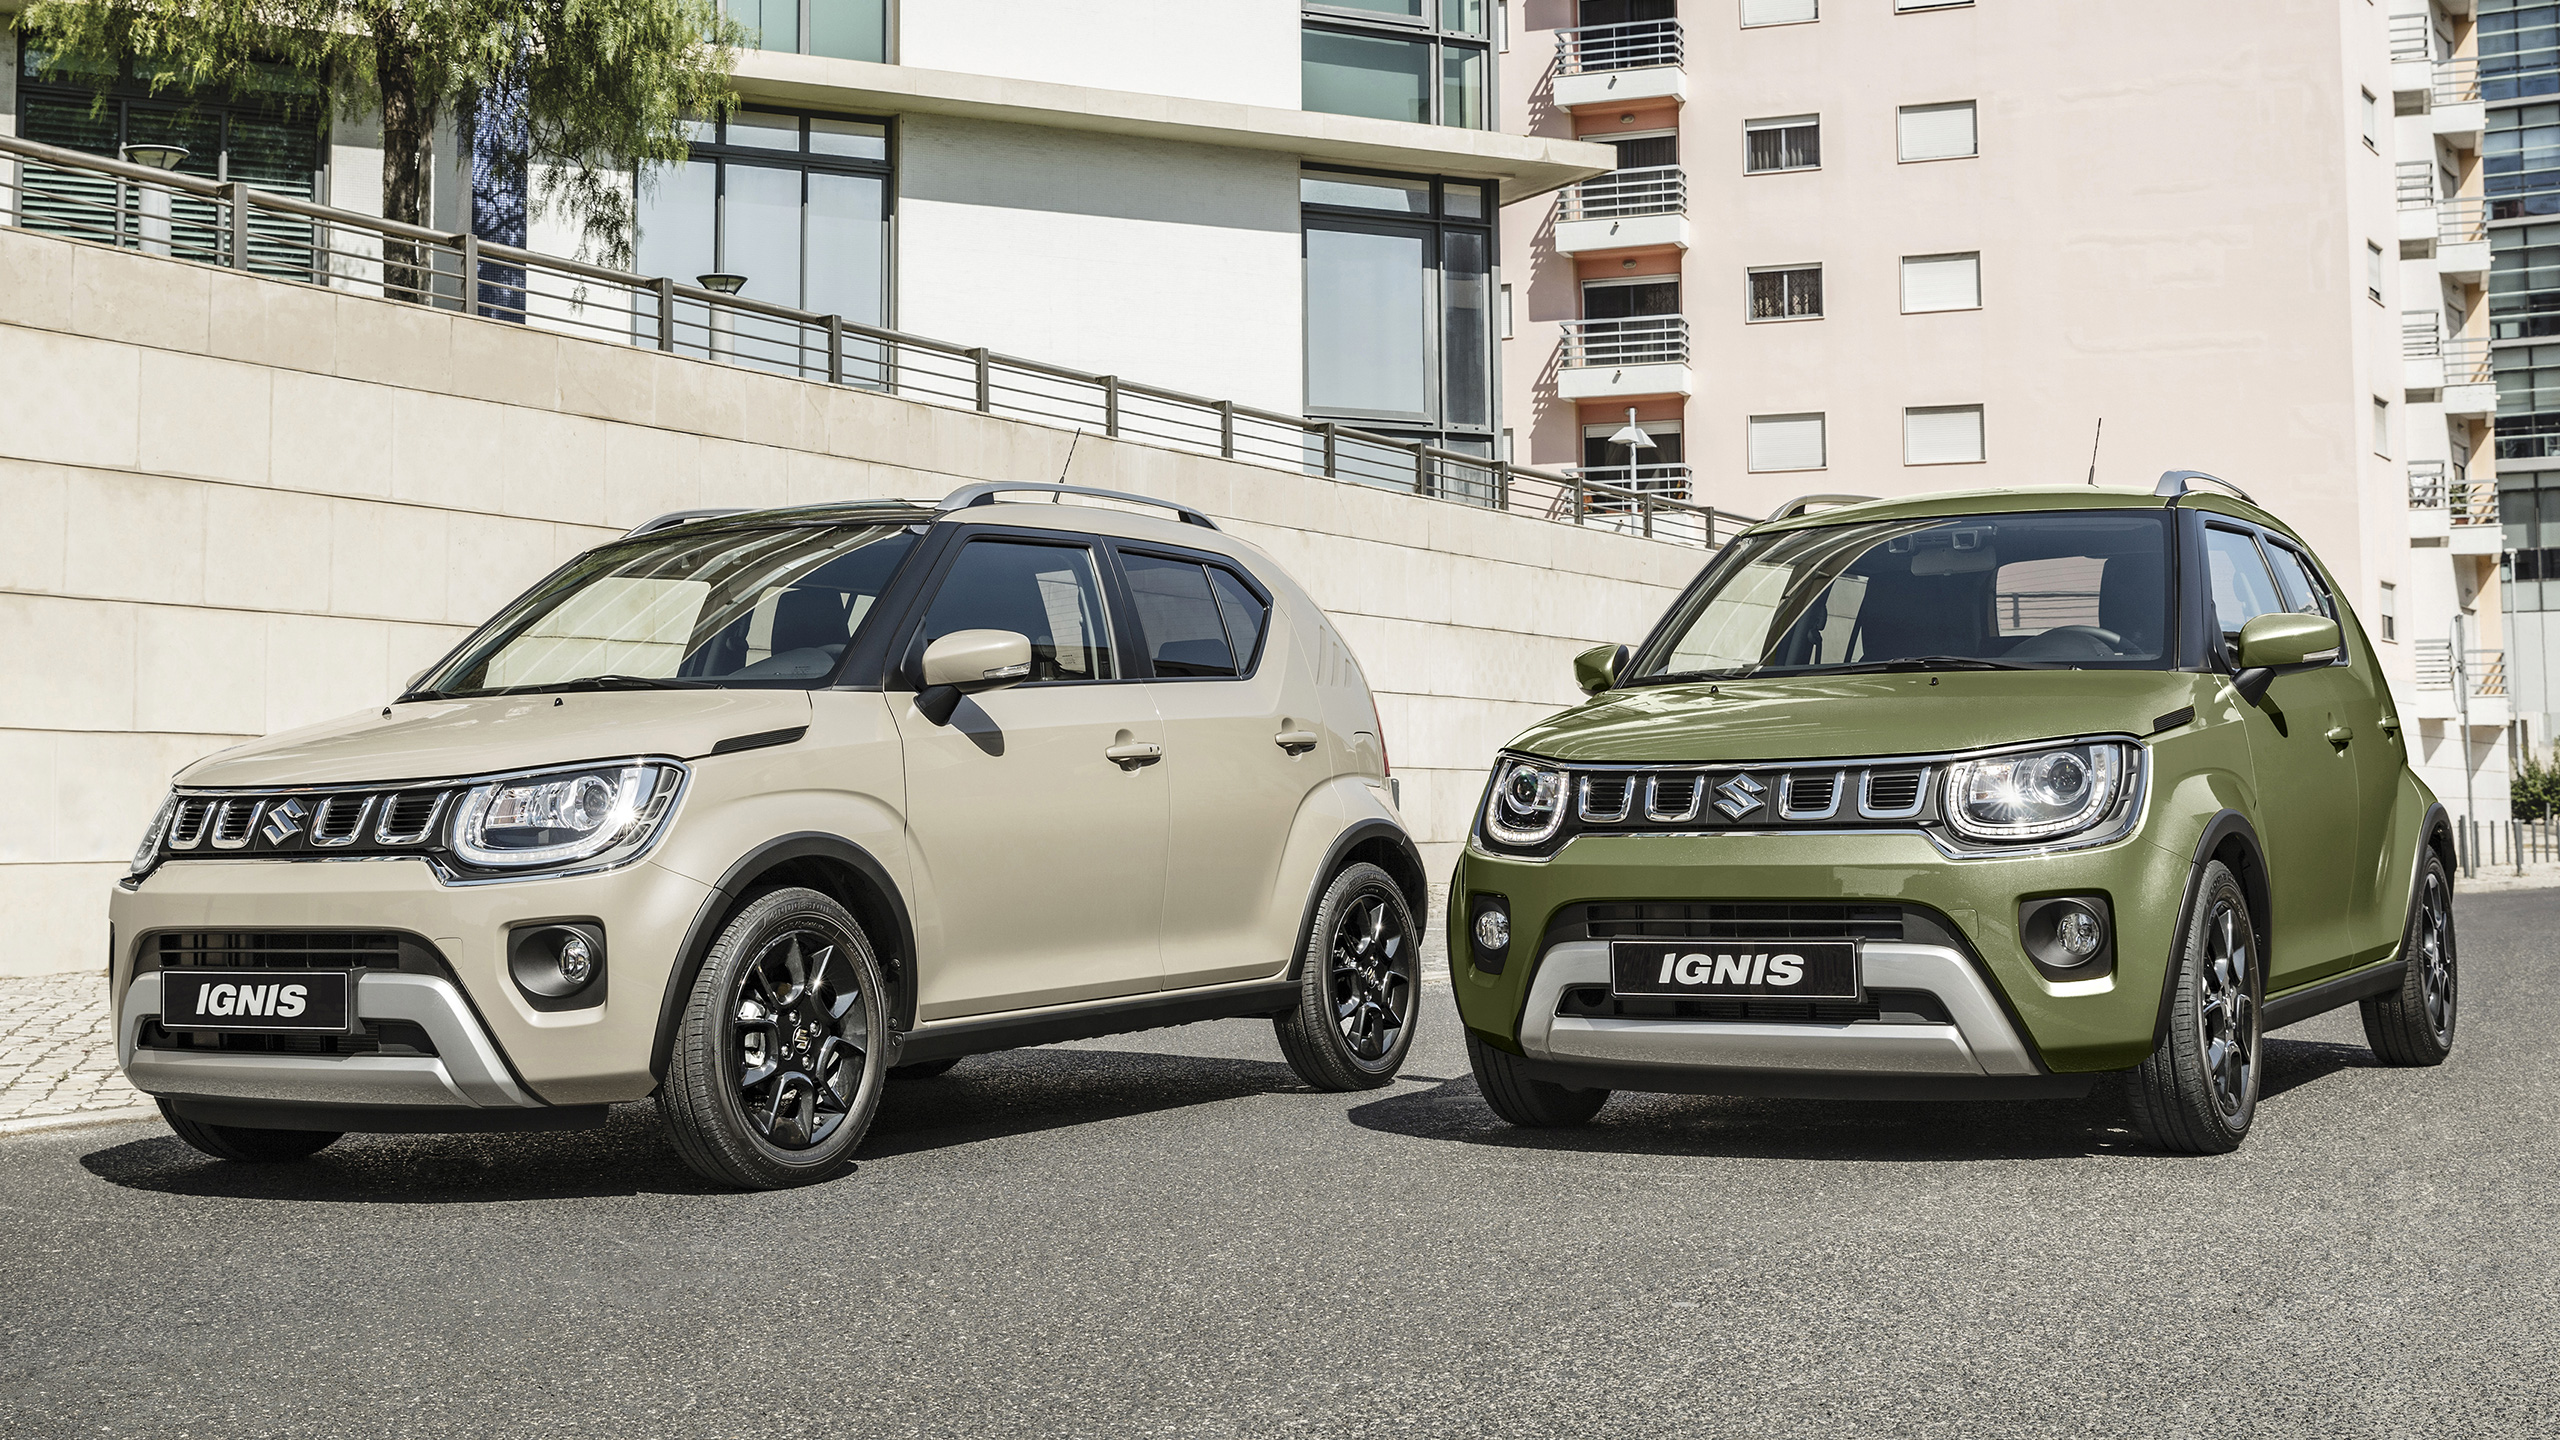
<point>674,518</point>
<point>985,494</point>
<point>1803,503</point>
<point>2175,483</point>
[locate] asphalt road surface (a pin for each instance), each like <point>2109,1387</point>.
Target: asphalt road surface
<point>1166,1235</point>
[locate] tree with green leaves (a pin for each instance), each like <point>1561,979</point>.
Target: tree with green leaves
<point>603,87</point>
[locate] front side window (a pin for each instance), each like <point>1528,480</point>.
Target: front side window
<point>843,29</point>
<point>686,608</point>
<point>2052,590</point>
<point>1425,62</point>
<point>1792,142</point>
<point>1046,593</point>
<point>2299,582</point>
<point>798,206</point>
<point>2243,589</point>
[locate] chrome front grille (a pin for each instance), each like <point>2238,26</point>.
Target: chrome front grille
<point>1778,795</point>
<point>359,821</point>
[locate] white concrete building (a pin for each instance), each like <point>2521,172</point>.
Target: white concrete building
<point>1884,248</point>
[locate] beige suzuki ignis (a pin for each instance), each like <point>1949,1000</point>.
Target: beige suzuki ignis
<point>756,812</point>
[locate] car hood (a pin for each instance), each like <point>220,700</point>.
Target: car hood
<point>439,739</point>
<point>1826,716</point>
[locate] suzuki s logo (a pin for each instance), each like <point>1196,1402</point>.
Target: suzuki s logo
<point>282,821</point>
<point>1739,796</point>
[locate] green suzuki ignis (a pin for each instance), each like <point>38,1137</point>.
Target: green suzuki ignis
<point>1991,794</point>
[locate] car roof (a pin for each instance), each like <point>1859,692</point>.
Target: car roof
<point>2016,500</point>
<point>1073,513</point>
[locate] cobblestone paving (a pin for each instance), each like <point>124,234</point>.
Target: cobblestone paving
<point>57,1054</point>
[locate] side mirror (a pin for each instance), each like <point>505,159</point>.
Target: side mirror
<point>2273,643</point>
<point>1598,668</point>
<point>970,662</point>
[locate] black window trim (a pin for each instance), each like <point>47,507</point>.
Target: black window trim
<point>1211,559</point>
<point>1316,15</point>
<point>1432,426</point>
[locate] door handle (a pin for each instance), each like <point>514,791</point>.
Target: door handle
<point>1130,757</point>
<point>2390,724</point>
<point>2339,735</point>
<point>1297,742</point>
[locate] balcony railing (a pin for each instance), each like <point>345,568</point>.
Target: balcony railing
<point>2457,82</point>
<point>2413,37</point>
<point>2484,672</point>
<point>1641,340</point>
<point>1657,190</point>
<point>2462,221</point>
<point>1631,46</point>
<point>2426,485</point>
<point>2474,503</point>
<point>2417,184</point>
<point>2466,361</point>
<point>75,195</point>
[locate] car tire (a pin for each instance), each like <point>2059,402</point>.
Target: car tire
<point>1529,1103</point>
<point>774,1077</point>
<point>923,1069</point>
<point>2198,1091</point>
<point>246,1145</point>
<point>2413,1025</point>
<point>1359,985</point>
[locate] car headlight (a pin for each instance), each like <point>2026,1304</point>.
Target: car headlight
<point>149,850</point>
<point>1526,804</point>
<point>603,815</point>
<point>2039,794</point>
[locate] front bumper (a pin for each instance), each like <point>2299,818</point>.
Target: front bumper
<point>2010,1019</point>
<point>466,1071</point>
<point>494,1050</point>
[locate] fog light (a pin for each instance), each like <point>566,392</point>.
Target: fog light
<point>1490,929</point>
<point>553,962</point>
<point>1493,930</point>
<point>2078,932</point>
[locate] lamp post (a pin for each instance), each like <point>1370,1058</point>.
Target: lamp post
<point>154,203</point>
<point>2462,721</point>
<point>1633,437</point>
<point>723,324</point>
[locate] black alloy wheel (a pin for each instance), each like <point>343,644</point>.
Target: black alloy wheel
<point>2198,1092</point>
<point>1360,985</point>
<point>776,1071</point>
<point>2413,1024</point>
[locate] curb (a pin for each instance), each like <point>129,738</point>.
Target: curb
<point>76,1120</point>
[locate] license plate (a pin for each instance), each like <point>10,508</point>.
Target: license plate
<point>1756,969</point>
<point>302,1000</point>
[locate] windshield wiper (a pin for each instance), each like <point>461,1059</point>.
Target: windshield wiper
<point>625,682</point>
<point>1935,662</point>
<point>1681,677</point>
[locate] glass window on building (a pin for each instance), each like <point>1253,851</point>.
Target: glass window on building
<point>796,204</point>
<point>842,29</point>
<point>2528,403</point>
<point>2519,43</point>
<point>2520,161</point>
<point>1787,142</point>
<point>1786,292</point>
<point>2524,283</point>
<point>2529,507</point>
<point>1400,321</point>
<point>1428,62</point>
<point>275,139</point>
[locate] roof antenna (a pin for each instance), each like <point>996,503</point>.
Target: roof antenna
<point>1070,460</point>
<point>2093,449</point>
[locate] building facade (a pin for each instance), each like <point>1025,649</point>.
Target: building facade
<point>1889,246</point>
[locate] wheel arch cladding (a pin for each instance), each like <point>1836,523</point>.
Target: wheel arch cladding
<point>1383,845</point>
<point>829,864</point>
<point>2231,839</point>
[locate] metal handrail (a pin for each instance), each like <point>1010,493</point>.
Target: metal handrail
<point>1638,340</point>
<point>2466,361</point>
<point>2412,37</point>
<point>1632,45</point>
<point>2473,502</point>
<point>2421,331</point>
<point>1649,190</point>
<point>2426,485</point>
<point>77,195</point>
<point>2457,82</point>
<point>2485,669</point>
<point>2462,220</point>
<point>2416,183</point>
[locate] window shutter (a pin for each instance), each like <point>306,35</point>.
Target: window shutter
<point>1786,442</point>
<point>1942,435</point>
<point>1936,132</point>
<point>1941,282</point>
<point>1777,12</point>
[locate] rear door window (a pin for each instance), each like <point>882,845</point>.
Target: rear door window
<point>1184,635</point>
<point>1245,614</point>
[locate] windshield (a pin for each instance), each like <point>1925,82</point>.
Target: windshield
<point>2054,589</point>
<point>686,608</point>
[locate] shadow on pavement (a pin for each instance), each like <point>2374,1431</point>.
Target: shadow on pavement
<point>1767,1129</point>
<point>987,1097</point>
